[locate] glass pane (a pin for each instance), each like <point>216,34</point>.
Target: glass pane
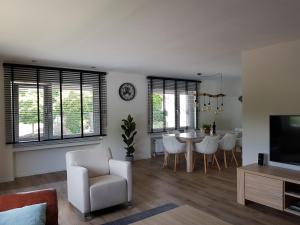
<point>191,107</point>
<point>88,110</point>
<point>191,111</point>
<point>158,115</point>
<point>49,80</point>
<point>71,104</point>
<point>56,118</point>
<point>28,113</point>
<point>91,104</point>
<point>170,110</point>
<point>183,110</point>
<point>42,118</point>
<point>71,111</point>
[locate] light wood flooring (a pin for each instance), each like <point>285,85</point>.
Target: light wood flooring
<point>214,193</point>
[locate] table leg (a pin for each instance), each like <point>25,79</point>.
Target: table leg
<point>189,156</point>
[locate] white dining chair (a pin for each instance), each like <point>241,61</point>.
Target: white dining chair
<point>176,132</point>
<point>208,147</point>
<point>226,144</point>
<point>239,137</point>
<point>172,146</point>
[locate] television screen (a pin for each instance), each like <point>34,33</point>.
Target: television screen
<point>285,139</point>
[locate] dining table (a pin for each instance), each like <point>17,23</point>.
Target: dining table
<point>190,138</point>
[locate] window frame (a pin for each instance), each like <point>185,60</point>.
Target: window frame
<point>12,103</point>
<point>177,93</point>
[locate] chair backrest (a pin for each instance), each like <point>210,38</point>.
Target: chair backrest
<point>173,132</point>
<point>95,160</point>
<point>172,145</point>
<point>228,142</point>
<point>238,132</point>
<point>176,132</point>
<point>209,145</point>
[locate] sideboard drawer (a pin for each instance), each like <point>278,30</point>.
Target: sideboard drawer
<point>264,190</point>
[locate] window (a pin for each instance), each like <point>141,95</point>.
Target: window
<point>47,103</point>
<point>172,104</point>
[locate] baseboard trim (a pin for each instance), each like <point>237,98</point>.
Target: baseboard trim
<point>8,179</point>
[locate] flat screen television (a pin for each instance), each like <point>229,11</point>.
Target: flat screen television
<point>285,139</point>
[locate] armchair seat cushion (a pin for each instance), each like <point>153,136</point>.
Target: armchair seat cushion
<point>106,191</point>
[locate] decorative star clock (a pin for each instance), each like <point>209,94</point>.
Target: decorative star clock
<point>127,91</point>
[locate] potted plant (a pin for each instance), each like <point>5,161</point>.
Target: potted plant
<point>128,127</point>
<point>206,128</point>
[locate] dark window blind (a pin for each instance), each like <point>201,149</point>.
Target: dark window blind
<point>172,104</point>
<point>50,103</point>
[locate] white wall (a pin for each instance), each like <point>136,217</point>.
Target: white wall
<point>271,78</point>
<point>232,116</point>
<point>50,160</point>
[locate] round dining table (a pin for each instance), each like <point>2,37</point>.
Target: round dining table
<point>189,139</point>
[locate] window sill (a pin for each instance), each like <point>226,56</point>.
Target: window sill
<point>22,147</point>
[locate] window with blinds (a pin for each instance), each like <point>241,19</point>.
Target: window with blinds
<point>49,103</point>
<point>172,104</point>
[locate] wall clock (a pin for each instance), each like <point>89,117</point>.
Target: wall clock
<point>127,91</point>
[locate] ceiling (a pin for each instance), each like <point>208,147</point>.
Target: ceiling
<point>144,36</point>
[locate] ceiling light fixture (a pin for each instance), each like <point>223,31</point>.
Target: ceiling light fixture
<point>208,107</point>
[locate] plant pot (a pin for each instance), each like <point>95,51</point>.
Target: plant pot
<point>129,158</point>
<point>206,130</point>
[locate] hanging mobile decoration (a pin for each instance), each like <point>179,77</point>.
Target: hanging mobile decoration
<point>220,102</point>
<point>217,109</point>
<point>204,108</point>
<point>222,105</point>
<point>209,105</point>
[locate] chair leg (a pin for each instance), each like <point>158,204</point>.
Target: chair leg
<point>225,160</point>
<point>216,159</point>
<point>194,161</point>
<point>179,159</point>
<point>204,164</point>
<point>166,160</point>
<point>175,163</point>
<point>233,155</point>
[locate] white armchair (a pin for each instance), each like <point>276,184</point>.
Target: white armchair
<point>96,181</point>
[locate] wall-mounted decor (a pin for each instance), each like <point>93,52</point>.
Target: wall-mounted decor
<point>127,91</point>
<point>241,98</point>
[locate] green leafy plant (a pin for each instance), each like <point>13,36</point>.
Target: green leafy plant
<point>206,126</point>
<point>128,127</point>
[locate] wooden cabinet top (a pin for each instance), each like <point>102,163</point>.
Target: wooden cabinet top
<point>273,172</point>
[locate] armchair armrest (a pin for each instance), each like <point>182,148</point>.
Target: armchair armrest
<point>122,169</point>
<point>78,187</point>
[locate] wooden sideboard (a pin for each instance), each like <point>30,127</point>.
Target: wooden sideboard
<point>269,185</point>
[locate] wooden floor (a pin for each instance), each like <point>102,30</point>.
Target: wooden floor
<point>214,193</point>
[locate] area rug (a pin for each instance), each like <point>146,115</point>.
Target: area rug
<point>143,215</point>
